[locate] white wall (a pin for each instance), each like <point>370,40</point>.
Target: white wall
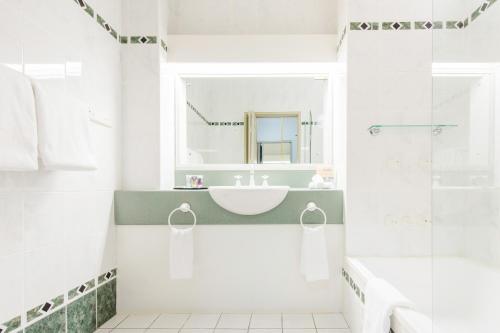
<point>237,269</point>
<point>388,176</point>
<point>252,48</point>
<point>242,17</point>
<point>57,228</point>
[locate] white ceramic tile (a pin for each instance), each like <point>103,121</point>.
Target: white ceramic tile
<point>170,321</point>
<point>45,264</point>
<point>333,330</point>
<point>162,330</point>
<point>299,330</point>
<point>43,220</point>
<point>230,330</point>
<point>11,223</point>
<point>197,330</point>
<point>11,286</point>
<point>202,321</point>
<point>298,321</point>
<point>265,330</point>
<point>138,321</point>
<point>266,321</point>
<point>129,330</point>
<point>113,322</point>
<point>234,321</point>
<point>329,320</point>
<point>103,330</point>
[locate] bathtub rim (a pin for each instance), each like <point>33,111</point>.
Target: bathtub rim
<point>402,320</point>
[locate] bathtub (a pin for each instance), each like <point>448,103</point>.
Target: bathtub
<point>411,276</point>
<point>460,295</point>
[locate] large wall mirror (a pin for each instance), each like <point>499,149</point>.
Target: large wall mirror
<point>261,119</point>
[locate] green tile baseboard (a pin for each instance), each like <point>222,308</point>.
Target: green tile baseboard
<point>153,208</point>
<point>82,309</point>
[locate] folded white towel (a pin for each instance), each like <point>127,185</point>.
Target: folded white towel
<point>181,253</point>
<point>64,141</point>
<point>381,300</point>
<point>18,137</point>
<point>314,257</point>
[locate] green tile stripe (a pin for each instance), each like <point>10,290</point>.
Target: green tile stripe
<point>342,38</point>
<point>85,6</point>
<point>44,308</point>
<point>81,289</point>
<point>364,26</point>
<point>108,276</point>
<point>121,39</point>
<point>143,39</point>
<point>53,323</point>
<point>102,22</point>
<point>164,45</point>
<point>153,208</point>
<point>11,325</point>
<point>396,25</point>
<point>354,286</point>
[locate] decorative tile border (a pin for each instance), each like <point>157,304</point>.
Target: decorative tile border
<point>121,39</point>
<point>11,325</point>
<point>163,45</point>
<point>354,286</point>
<point>106,276</point>
<point>419,25</point>
<point>42,317</point>
<point>342,38</point>
<point>143,40</point>
<point>45,308</point>
<point>81,289</point>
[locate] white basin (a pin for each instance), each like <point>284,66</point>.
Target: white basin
<point>248,200</point>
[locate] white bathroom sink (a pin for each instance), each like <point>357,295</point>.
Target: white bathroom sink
<point>248,200</point>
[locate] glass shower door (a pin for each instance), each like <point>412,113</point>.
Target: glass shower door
<point>466,167</point>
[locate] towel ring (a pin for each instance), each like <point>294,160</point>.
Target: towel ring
<point>185,208</point>
<point>311,207</point>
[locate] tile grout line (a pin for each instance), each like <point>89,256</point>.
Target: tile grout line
<point>250,322</point>
<point>185,322</point>
<point>154,321</point>
<point>314,323</point>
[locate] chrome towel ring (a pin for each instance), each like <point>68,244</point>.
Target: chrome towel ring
<point>185,208</point>
<point>311,207</point>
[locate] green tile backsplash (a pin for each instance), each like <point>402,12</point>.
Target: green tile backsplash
<point>53,323</point>
<point>106,302</point>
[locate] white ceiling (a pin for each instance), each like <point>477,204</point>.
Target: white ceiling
<point>223,17</point>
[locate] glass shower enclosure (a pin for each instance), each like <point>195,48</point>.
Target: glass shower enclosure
<point>466,167</point>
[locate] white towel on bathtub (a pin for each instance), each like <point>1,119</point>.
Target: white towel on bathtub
<point>181,253</point>
<point>314,258</point>
<point>64,140</point>
<point>381,300</point>
<point>18,137</point>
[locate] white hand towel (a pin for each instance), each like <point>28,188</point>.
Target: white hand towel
<point>381,300</point>
<point>18,137</point>
<point>181,253</point>
<point>314,257</point>
<point>64,141</point>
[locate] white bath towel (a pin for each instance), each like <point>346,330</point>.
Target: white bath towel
<point>18,137</point>
<point>314,257</point>
<point>181,253</point>
<point>381,300</point>
<point>64,141</point>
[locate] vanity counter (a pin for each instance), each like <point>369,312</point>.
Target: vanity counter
<point>153,208</point>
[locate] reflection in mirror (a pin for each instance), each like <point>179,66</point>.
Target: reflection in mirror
<point>253,120</point>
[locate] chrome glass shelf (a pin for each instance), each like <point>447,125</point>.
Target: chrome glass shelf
<point>436,128</point>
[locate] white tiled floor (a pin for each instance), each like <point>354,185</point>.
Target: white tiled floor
<point>227,323</point>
